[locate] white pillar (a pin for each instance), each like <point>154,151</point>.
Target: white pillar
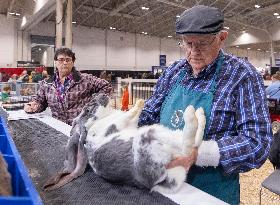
<point>26,46</point>
<point>106,49</point>
<point>69,31</point>
<point>59,23</point>
<point>272,53</point>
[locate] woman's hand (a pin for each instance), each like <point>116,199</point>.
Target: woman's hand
<point>31,107</point>
<point>184,161</point>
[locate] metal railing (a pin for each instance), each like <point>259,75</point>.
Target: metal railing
<point>137,88</point>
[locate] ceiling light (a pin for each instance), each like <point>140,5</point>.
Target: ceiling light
<point>276,14</point>
<point>178,16</point>
<point>112,28</point>
<point>257,6</point>
<point>145,8</point>
<point>12,13</point>
<point>144,32</point>
<point>278,17</point>
<point>226,27</point>
<point>169,36</point>
<point>237,46</point>
<point>258,49</point>
<point>39,49</point>
<point>248,48</point>
<point>275,52</point>
<point>267,51</point>
<point>17,14</point>
<point>74,22</point>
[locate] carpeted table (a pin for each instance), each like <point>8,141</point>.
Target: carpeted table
<point>42,149</point>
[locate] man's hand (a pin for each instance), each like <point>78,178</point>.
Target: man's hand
<point>184,161</point>
<point>31,107</point>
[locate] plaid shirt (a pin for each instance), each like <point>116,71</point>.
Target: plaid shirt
<point>67,101</point>
<point>239,121</point>
<point>61,88</point>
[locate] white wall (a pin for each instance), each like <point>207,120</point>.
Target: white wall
<point>249,37</point>
<point>275,32</point>
<point>89,46</point>
<point>120,50</point>
<point>256,58</point>
<point>148,51</point>
<point>171,49</point>
<point>7,42</point>
<point>114,50</point>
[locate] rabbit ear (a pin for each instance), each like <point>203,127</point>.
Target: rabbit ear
<point>65,176</point>
<point>57,180</point>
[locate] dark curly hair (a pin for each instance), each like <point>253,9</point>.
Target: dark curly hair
<point>66,52</point>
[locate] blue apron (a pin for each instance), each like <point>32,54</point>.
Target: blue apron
<point>209,179</point>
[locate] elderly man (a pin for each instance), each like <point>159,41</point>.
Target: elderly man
<point>238,132</point>
<point>68,90</point>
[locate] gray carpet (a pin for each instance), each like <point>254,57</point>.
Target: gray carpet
<point>42,150</point>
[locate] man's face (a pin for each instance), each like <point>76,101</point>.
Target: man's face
<point>202,50</point>
<point>64,65</point>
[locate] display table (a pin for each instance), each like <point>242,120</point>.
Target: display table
<point>41,143</point>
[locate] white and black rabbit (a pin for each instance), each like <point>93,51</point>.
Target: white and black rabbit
<point>117,150</point>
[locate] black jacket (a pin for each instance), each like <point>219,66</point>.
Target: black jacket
<point>274,155</point>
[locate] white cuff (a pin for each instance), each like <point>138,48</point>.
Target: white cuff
<point>208,154</point>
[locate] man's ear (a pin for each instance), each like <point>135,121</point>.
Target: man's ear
<point>223,36</point>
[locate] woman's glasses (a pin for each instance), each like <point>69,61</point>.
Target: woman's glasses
<point>67,60</point>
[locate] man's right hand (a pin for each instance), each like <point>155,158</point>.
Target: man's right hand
<point>31,107</point>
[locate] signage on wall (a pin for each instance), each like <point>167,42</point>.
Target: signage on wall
<point>277,62</point>
<point>162,60</point>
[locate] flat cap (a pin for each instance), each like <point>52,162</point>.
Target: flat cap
<point>200,20</point>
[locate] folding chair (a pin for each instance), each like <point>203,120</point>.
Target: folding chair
<point>271,183</point>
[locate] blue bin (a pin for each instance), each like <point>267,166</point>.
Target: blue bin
<point>24,192</point>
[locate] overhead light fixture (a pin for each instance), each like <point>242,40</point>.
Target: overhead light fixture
<point>145,8</point>
<point>276,14</point>
<point>258,49</point>
<point>248,48</point>
<point>278,17</point>
<point>74,22</point>
<point>143,32</point>
<point>12,13</point>
<point>243,31</point>
<point>17,14</point>
<point>237,46</point>
<point>178,16</point>
<point>169,36</point>
<point>39,49</point>
<point>267,51</point>
<point>112,28</point>
<point>226,27</point>
<point>257,6</point>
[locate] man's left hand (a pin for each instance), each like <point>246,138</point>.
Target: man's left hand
<point>184,161</point>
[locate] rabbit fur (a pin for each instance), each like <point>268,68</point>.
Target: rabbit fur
<point>117,150</point>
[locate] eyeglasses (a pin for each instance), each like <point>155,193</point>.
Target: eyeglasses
<point>61,60</point>
<point>202,46</point>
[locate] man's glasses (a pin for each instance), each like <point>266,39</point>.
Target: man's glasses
<point>67,60</point>
<point>202,46</point>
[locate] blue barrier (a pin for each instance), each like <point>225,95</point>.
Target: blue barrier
<point>24,192</point>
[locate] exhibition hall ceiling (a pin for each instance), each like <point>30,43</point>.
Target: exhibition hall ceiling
<point>157,17</point>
